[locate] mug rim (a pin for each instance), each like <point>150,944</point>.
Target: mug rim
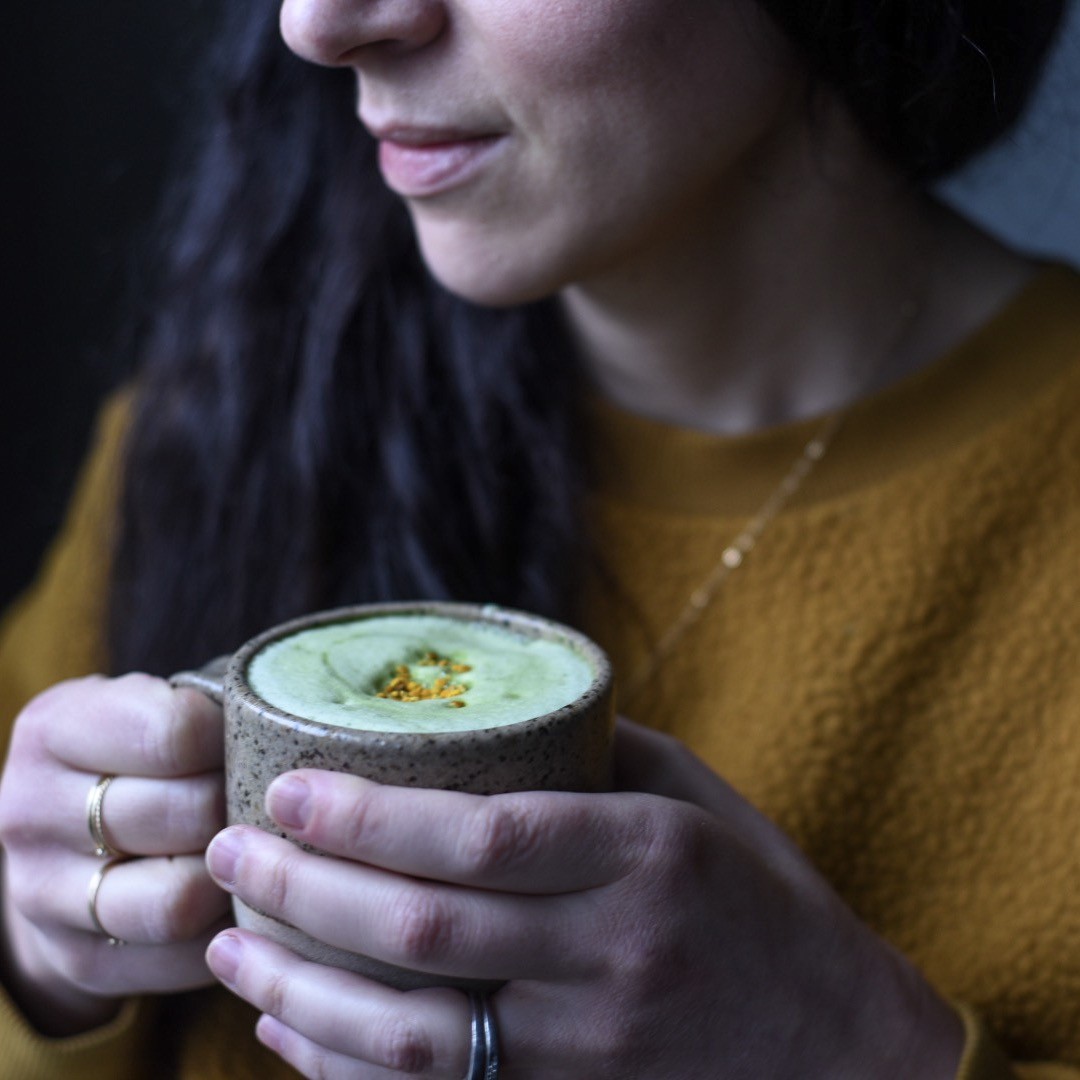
<point>236,683</point>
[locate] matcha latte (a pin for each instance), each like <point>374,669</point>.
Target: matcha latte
<point>419,673</point>
<point>425,694</point>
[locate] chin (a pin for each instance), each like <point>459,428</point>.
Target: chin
<point>488,274</point>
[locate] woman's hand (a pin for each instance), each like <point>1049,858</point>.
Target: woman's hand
<point>640,935</point>
<point>165,747</point>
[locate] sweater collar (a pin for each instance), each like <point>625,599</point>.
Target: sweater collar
<point>981,382</point>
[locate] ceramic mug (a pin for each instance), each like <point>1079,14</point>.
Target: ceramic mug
<point>568,749</point>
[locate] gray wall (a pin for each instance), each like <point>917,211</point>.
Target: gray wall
<point>1027,189</point>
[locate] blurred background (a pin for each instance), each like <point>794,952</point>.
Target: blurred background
<point>95,96</point>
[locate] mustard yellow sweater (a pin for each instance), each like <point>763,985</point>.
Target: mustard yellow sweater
<point>892,676</point>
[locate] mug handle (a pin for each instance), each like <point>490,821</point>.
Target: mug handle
<point>210,678</point>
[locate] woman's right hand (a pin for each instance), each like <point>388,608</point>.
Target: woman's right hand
<point>165,747</point>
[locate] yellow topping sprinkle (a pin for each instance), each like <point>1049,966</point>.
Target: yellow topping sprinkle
<point>403,687</point>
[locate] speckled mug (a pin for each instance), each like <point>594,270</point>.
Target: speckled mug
<point>569,749</point>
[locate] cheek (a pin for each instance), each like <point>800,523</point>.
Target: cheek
<point>563,28</point>
<point>535,49</point>
<point>603,75</point>
<point>583,41</point>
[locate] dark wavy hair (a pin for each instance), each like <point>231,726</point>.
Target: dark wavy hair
<point>319,422</point>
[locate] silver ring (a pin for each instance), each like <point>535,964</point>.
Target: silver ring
<point>92,895</point>
<point>95,803</point>
<point>483,1039</point>
<point>491,1040</point>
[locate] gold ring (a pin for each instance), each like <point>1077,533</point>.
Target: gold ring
<point>92,895</point>
<point>95,817</point>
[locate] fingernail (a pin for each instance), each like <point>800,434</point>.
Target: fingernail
<point>223,855</point>
<point>223,956</point>
<point>287,800</point>
<point>269,1032</point>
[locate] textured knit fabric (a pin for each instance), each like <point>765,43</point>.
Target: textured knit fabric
<point>891,675</point>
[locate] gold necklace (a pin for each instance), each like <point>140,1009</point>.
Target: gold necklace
<point>733,556</point>
<point>736,552</point>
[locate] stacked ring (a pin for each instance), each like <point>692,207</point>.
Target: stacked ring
<point>483,1040</point>
<point>95,821</point>
<point>92,895</point>
<point>95,802</point>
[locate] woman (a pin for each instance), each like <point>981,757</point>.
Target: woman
<point>748,405</point>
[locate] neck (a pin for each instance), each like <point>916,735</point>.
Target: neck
<point>811,279</point>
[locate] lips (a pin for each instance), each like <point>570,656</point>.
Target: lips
<point>419,162</point>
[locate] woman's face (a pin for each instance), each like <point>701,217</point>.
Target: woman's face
<point>543,143</point>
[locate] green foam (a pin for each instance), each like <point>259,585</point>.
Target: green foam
<point>332,674</point>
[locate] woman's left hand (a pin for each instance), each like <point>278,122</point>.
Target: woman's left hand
<point>663,935</point>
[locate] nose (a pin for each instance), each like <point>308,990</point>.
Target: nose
<point>332,32</point>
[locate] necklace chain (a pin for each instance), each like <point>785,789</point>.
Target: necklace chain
<point>733,556</point>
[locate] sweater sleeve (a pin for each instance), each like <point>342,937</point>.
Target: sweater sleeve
<point>120,1050</point>
<point>54,632</point>
<point>984,1060</point>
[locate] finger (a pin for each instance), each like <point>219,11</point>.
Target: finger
<point>650,761</point>
<point>145,816</point>
<point>139,815</point>
<point>524,842</point>
<point>160,900</point>
<point>417,1032</point>
<point>654,762</point>
<point>421,925</point>
<point>90,963</point>
<point>134,725</point>
<point>154,901</point>
<point>312,1060</point>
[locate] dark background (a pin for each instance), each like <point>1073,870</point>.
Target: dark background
<point>95,94</point>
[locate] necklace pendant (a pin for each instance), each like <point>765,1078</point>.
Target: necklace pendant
<point>732,558</point>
